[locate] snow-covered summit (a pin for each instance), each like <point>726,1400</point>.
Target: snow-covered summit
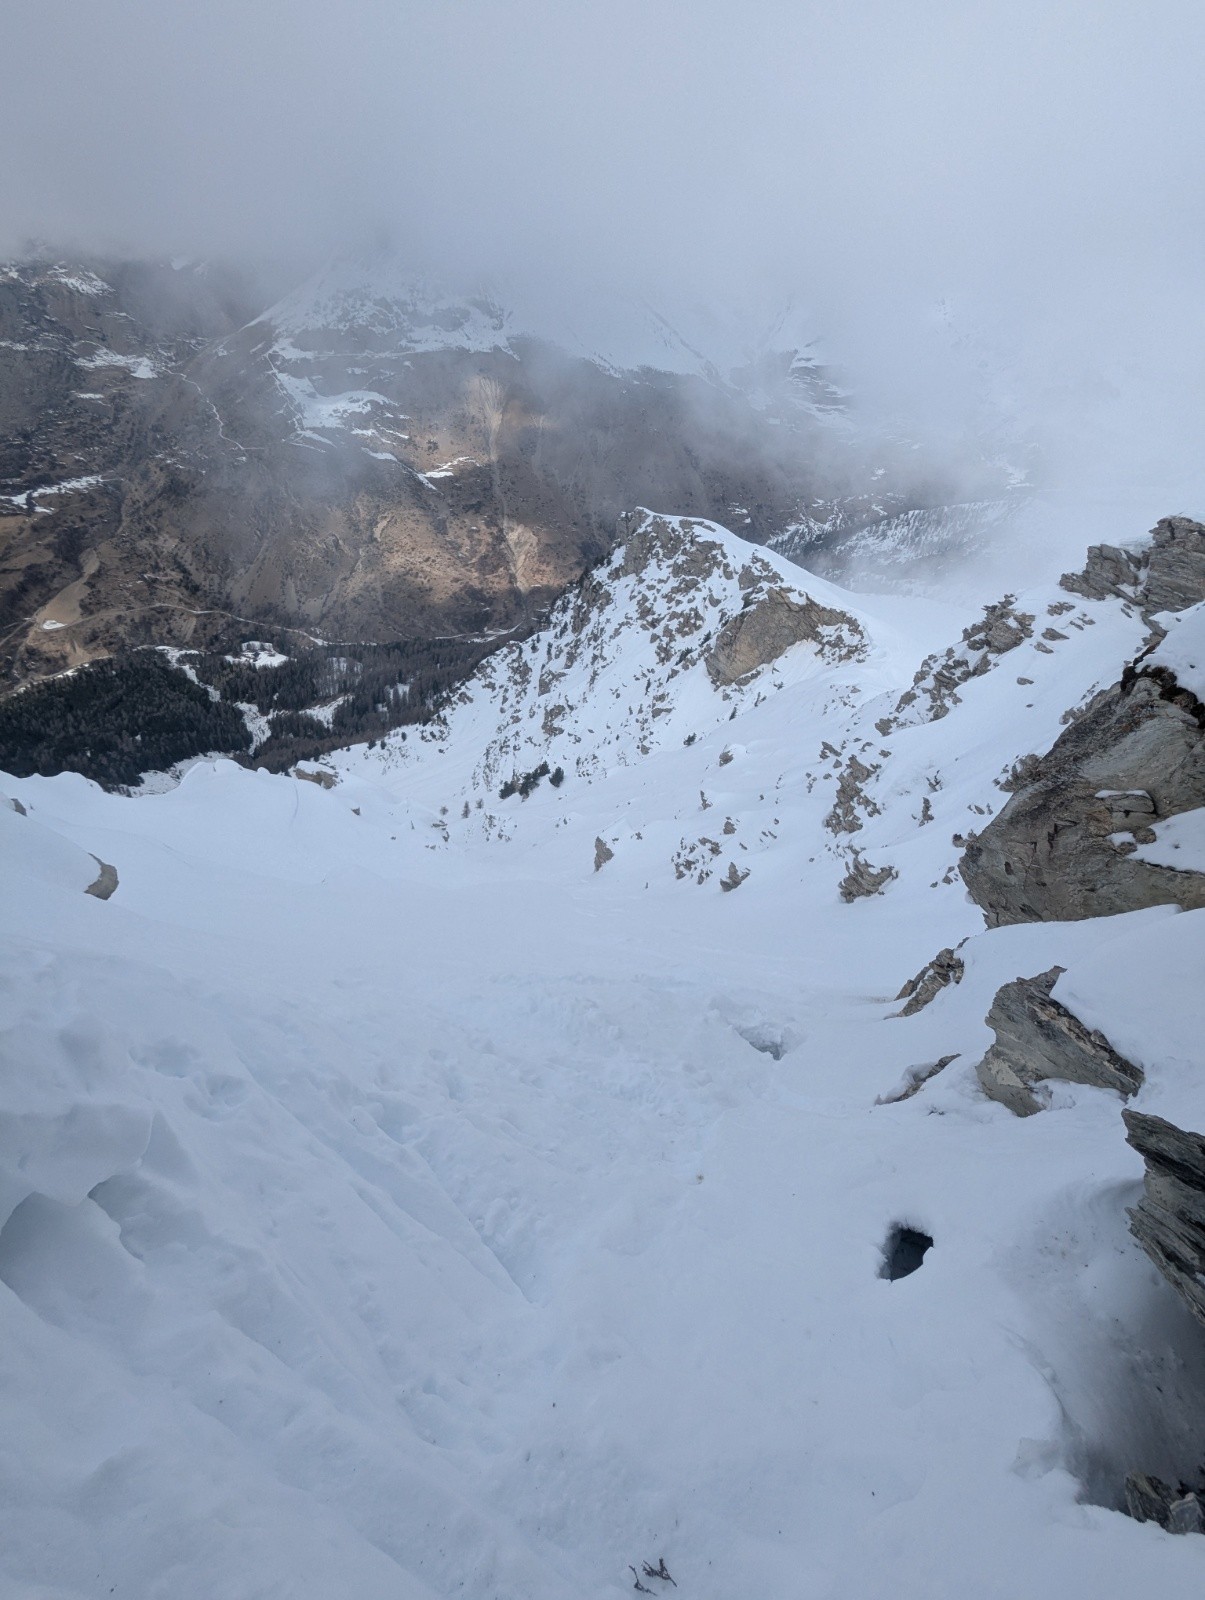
<point>679,627</point>
<point>373,308</point>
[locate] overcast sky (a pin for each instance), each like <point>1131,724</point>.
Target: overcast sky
<point>921,173</point>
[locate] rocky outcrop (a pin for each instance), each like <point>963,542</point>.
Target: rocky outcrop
<point>105,882</point>
<point>1169,1220</point>
<point>945,968</point>
<point>1063,848</point>
<point>1167,575</point>
<point>1169,1223</point>
<point>1178,1509</point>
<point>851,797</point>
<point>1111,572</point>
<point>602,854</point>
<point>937,681</point>
<point>863,880</point>
<point>1038,1039</point>
<point>915,1080</point>
<point>772,621</point>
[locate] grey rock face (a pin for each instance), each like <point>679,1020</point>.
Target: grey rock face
<point>945,968</point>
<point>104,885</point>
<point>1169,1220</point>
<point>1167,576</point>
<point>1037,1039</point>
<point>602,854</point>
<point>1110,572</point>
<point>851,797</point>
<point>1149,1499</point>
<point>862,879</point>
<point>915,1080</point>
<point>1063,847</point>
<point>1175,577</point>
<point>769,626</point>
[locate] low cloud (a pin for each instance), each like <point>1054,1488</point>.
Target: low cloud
<point>988,206</point>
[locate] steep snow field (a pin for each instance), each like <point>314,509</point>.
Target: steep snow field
<point>393,1204</point>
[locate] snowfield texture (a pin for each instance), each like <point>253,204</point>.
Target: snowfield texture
<point>406,1191</point>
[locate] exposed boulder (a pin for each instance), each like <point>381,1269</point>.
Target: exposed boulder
<point>915,1079</point>
<point>1037,1039</point>
<point>945,968</point>
<point>1169,1220</point>
<point>602,854</point>
<point>1149,1499</point>
<point>105,883</point>
<point>1167,575</point>
<point>1064,847</point>
<point>1110,572</point>
<point>862,879</point>
<point>320,776</point>
<point>772,621</point>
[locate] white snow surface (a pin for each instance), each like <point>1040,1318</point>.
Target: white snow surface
<point>326,411</point>
<point>136,366</point>
<point>1183,650</point>
<point>393,1205</point>
<point>67,486</point>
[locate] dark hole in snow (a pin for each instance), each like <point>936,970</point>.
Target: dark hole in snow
<point>903,1252</point>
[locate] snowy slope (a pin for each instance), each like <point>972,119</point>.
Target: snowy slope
<point>398,1203</point>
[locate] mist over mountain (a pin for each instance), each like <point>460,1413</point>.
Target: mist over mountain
<point>997,209</point>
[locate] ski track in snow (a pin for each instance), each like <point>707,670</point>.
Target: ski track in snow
<point>394,1205</point>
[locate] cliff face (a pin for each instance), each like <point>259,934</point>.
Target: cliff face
<point>1075,838</point>
<point>1067,843</point>
<point>1166,575</point>
<point>1169,1220</point>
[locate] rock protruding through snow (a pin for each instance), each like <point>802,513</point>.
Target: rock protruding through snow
<point>1166,575</point>
<point>1169,1220</point>
<point>1066,846</point>
<point>862,879</point>
<point>1037,1039</point>
<point>772,620</point>
<point>105,882</point>
<point>945,968</point>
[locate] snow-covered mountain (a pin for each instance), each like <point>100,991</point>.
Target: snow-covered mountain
<point>373,459</point>
<point>487,1170</point>
<point>374,304</point>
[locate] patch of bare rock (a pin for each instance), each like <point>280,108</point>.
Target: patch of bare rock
<point>1166,575</point>
<point>1064,847</point>
<point>862,879</point>
<point>1038,1039</point>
